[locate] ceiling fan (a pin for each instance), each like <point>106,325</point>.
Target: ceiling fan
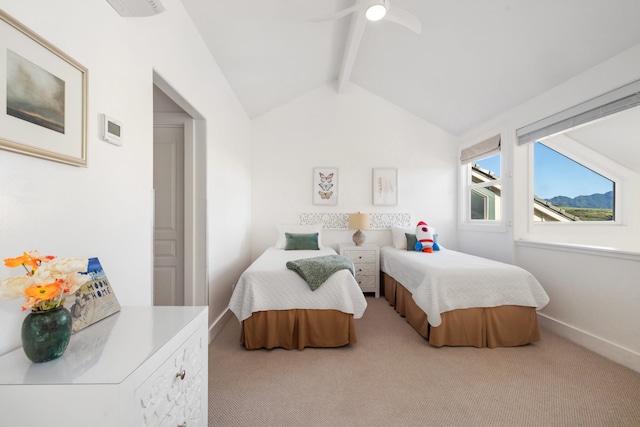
<point>376,10</point>
<point>364,11</point>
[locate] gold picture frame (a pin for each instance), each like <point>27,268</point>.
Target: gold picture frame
<point>43,97</point>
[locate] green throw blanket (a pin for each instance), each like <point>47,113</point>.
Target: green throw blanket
<point>315,271</point>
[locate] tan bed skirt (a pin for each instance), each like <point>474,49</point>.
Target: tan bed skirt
<point>298,328</point>
<point>504,326</point>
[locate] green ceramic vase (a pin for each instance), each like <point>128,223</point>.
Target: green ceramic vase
<point>46,334</point>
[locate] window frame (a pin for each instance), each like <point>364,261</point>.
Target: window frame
<point>467,187</point>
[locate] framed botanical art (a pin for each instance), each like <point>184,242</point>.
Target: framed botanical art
<point>385,186</point>
<point>325,186</point>
<point>43,97</point>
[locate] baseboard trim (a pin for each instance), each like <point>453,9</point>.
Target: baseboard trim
<point>611,351</point>
<point>218,324</point>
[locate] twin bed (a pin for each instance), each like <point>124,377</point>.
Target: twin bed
<point>456,299</point>
<point>277,307</point>
<point>450,298</point>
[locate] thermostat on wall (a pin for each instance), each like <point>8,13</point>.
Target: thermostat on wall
<point>111,130</point>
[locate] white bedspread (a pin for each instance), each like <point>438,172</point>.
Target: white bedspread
<point>448,280</point>
<point>268,285</point>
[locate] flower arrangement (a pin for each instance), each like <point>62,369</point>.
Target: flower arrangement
<point>46,281</point>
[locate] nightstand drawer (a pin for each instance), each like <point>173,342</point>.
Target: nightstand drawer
<point>361,256</point>
<point>366,265</point>
<point>364,269</point>
<point>366,282</point>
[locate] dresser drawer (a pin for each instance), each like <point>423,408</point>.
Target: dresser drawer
<point>361,256</point>
<point>171,396</point>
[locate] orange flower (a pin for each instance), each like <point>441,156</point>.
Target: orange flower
<point>43,292</point>
<point>32,259</point>
<point>16,262</point>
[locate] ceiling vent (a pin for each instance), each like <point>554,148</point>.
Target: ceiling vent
<point>137,8</point>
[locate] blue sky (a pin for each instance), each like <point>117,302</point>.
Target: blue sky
<point>557,175</point>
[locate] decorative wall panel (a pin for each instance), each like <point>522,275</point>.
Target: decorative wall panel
<point>340,221</point>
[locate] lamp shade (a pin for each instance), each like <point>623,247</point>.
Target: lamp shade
<point>359,221</point>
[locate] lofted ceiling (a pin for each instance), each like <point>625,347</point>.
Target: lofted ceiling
<point>473,60</point>
<point>615,137</point>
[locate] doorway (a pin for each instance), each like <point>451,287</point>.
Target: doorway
<point>179,233</point>
<point>168,230</point>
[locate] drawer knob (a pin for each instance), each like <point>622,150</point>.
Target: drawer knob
<point>181,374</point>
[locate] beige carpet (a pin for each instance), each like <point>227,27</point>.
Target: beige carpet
<point>392,377</point>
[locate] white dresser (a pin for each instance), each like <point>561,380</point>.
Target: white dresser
<point>366,261</point>
<point>141,366</point>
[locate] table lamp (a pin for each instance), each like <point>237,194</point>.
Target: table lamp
<point>359,221</point>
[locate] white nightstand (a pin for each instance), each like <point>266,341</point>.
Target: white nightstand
<point>366,260</point>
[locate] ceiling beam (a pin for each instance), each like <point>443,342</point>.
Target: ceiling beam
<point>356,30</point>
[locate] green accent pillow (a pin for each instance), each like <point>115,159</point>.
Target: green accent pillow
<point>411,241</point>
<point>296,242</point>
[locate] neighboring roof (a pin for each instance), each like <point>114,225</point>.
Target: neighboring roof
<point>543,209</point>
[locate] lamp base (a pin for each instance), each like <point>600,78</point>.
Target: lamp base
<point>359,238</point>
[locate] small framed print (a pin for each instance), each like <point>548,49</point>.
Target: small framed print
<point>385,186</point>
<point>325,186</point>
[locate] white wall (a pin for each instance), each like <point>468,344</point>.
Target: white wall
<point>355,132</point>
<point>105,210</point>
<point>594,293</point>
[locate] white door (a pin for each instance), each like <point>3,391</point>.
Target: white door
<point>168,184</point>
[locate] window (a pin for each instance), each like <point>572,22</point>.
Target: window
<point>485,189</point>
<point>481,164</point>
<point>580,156</point>
<point>567,191</point>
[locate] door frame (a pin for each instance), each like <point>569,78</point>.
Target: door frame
<point>195,190</point>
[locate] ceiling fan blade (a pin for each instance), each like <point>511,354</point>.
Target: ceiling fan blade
<point>402,17</point>
<point>337,15</point>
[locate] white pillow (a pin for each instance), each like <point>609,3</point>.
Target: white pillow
<point>297,229</point>
<point>398,237</point>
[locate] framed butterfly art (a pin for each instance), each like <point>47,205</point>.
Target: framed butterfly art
<point>325,186</point>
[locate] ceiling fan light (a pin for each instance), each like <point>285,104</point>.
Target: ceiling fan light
<point>376,12</point>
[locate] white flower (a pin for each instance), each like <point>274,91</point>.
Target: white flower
<point>65,271</point>
<point>62,266</point>
<point>76,280</point>
<point>13,287</point>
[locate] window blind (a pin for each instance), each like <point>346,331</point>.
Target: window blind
<point>605,105</point>
<point>480,150</point>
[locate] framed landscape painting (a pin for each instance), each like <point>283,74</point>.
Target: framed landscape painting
<point>43,97</point>
<point>325,186</point>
